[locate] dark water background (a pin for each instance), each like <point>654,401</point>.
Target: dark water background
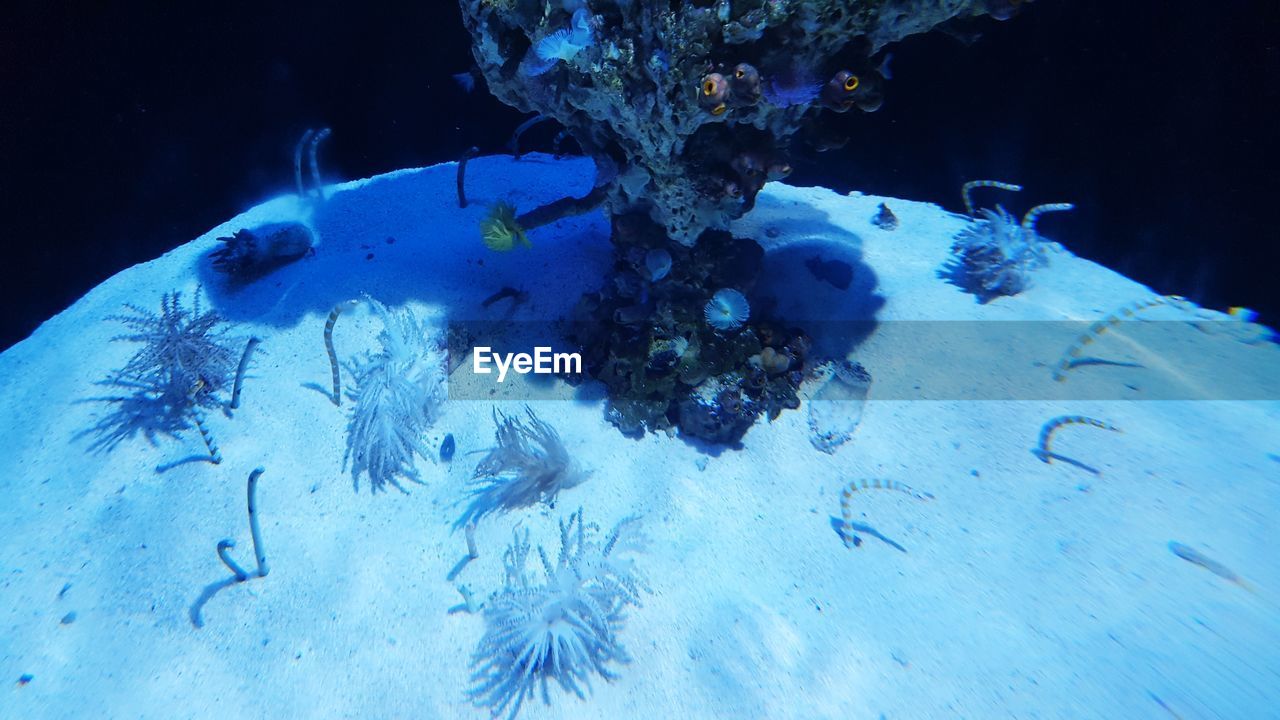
<point>129,128</point>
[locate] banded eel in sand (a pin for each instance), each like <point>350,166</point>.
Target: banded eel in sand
<point>967,189</point>
<point>333,355</point>
<point>846,497</point>
<point>1071,357</point>
<point>1044,450</point>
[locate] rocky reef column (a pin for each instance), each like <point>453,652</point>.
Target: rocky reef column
<point>687,109</point>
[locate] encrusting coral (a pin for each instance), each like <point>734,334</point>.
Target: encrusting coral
<point>668,97</point>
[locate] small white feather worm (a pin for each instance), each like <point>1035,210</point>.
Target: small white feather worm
<point>727,309</point>
<point>846,500</point>
<point>255,531</point>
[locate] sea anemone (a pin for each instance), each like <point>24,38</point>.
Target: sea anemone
<point>184,364</point>
<point>560,625</point>
<point>398,395</point>
<point>558,45</point>
<point>500,230</point>
<point>995,254</point>
<point>727,309</point>
<point>528,465</point>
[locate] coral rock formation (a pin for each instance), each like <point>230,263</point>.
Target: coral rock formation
<point>688,109</point>
<point>687,106</point>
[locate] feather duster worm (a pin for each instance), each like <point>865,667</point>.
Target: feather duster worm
<point>728,309</point>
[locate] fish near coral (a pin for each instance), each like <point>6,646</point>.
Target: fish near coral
<point>847,89</point>
<point>778,170</point>
<point>752,172</point>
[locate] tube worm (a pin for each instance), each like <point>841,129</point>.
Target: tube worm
<point>316,139</point>
<point>240,370</point>
<point>254,530</point>
<point>846,498</point>
<point>972,185</point>
<point>462,175</point>
<point>470,532</point>
<point>258,553</point>
<point>520,130</point>
<point>562,208</point>
<point>297,160</point>
<point>231,564</point>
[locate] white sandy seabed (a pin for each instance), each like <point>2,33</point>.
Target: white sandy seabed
<point>1023,589</point>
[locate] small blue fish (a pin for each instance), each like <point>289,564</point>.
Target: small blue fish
<point>447,448</point>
